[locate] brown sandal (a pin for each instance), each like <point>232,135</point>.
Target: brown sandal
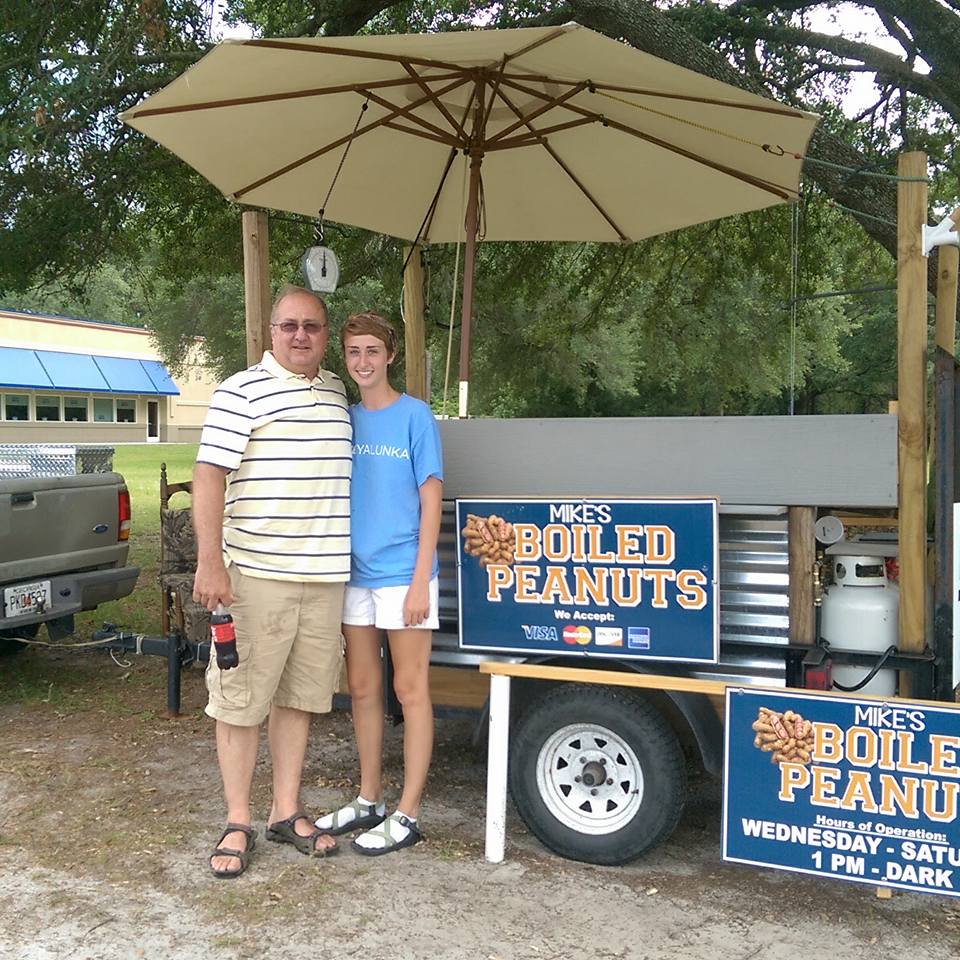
<point>284,831</point>
<point>242,855</point>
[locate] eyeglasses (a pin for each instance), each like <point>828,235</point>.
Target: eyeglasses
<point>289,327</point>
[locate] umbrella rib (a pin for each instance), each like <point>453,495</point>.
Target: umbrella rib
<point>774,109</point>
<point>437,131</point>
<point>549,105</point>
<point>559,32</point>
<point>494,87</point>
<point>533,138</point>
<point>272,97</point>
<point>402,111</point>
<point>358,53</point>
<point>424,230</point>
<point>438,103</point>
<point>446,139</point>
<point>784,193</point>
<point>559,161</point>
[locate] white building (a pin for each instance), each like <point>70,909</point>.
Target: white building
<point>66,380</point>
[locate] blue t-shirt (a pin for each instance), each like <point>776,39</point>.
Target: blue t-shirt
<point>395,450</point>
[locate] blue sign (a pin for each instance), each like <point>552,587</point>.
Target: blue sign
<point>860,790</point>
<point>604,578</point>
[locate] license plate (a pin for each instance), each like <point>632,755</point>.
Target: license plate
<point>27,598</point>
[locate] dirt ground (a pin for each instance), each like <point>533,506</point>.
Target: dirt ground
<point>107,811</point>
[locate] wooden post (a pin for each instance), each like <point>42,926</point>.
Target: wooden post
<point>413,331</point>
<point>945,476</point>
<point>802,555</point>
<point>948,258</point>
<point>256,282</point>
<point>912,402</point>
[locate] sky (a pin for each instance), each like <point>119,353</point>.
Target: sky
<point>845,19</point>
<point>855,23</point>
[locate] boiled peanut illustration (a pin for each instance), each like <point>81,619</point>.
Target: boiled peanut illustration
<point>492,539</point>
<point>787,737</point>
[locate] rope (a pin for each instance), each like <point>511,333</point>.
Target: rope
<point>777,150</point>
<point>860,213</point>
<point>343,157</point>
<point>860,172</point>
<point>66,646</point>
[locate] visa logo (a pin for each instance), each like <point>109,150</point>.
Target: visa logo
<point>538,632</point>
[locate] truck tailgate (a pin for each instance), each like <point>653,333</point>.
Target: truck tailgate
<point>49,525</point>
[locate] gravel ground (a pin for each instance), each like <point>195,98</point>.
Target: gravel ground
<point>107,812</point>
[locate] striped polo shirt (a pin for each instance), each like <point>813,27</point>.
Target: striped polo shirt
<point>286,443</point>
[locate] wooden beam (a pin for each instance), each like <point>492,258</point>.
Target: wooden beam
<point>536,671</point>
<point>912,402</point>
<point>948,258</point>
<point>413,329</point>
<point>656,681</point>
<point>256,282</point>
<point>802,555</point>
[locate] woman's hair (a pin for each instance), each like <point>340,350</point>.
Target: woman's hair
<point>369,323</point>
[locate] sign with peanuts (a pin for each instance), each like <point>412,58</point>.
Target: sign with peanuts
<point>861,790</point>
<point>602,578</point>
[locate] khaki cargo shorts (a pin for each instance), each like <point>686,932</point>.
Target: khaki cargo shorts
<point>290,649</point>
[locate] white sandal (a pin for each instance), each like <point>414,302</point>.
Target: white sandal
<point>364,816</point>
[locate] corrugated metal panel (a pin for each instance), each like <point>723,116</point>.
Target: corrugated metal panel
<point>753,597</point>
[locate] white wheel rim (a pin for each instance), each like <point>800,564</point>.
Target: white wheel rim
<point>590,779</point>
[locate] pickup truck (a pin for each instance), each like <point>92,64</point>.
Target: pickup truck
<point>63,549</point>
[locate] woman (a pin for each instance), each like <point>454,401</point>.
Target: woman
<point>395,504</point>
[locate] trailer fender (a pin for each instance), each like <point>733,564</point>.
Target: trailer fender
<point>695,708</point>
<point>705,727</point>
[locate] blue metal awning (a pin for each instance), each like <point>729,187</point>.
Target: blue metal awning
<point>21,368</point>
<point>72,371</point>
<point>56,370</point>
<point>160,377</point>
<point>126,376</point>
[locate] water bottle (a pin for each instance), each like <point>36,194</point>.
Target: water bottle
<point>224,638</point>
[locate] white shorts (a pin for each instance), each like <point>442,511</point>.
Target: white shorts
<point>382,607</point>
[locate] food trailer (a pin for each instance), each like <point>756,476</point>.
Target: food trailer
<point>674,560</point>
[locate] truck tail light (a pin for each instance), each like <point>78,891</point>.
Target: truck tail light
<point>123,515</point>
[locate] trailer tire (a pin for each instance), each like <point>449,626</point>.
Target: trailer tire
<point>8,642</point>
<point>562,746</point>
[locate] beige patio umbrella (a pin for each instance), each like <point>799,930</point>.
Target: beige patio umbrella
<point>553,133</point>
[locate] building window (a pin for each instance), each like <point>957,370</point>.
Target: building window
<point>48,408</point>
<point>126,410</point>
<point>103,409</point>
<point>75,409</point>
<point>16,406</point>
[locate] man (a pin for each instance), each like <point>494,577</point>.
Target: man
<point>271,508</point>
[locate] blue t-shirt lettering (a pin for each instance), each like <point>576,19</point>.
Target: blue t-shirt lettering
<point>395,450</point>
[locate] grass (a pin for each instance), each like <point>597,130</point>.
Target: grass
<point>140,466</point>
<point>64,683</point>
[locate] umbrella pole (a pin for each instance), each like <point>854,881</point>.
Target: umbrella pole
<point>469,260</point>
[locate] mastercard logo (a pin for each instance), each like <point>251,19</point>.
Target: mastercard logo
<point>574,635</point>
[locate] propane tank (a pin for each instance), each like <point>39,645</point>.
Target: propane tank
<point>860,614</point>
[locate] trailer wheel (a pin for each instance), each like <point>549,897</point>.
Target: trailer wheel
<point>596,773</point>
<point>8,642</point>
